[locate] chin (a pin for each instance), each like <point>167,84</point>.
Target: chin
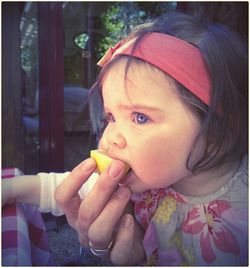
<point>134,183</point>
<point>138,184</point>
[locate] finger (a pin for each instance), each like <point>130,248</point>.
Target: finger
<point>122,251</point>
<point>97,199</point>
<point>66,193</point>
<point>108,219</point>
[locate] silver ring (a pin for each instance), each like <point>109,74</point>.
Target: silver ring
<point>100,252</point>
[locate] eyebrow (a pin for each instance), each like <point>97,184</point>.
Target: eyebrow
<point>138,107</point>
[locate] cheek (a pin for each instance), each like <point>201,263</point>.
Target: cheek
<point>161,162</point>
<point>102,145</point>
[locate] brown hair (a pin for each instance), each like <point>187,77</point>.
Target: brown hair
<point>224,124</point>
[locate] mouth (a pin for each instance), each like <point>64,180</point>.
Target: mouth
<point>103,160</point>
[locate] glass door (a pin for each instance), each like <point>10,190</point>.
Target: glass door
<point>78,64</point>
<point>30,85</point>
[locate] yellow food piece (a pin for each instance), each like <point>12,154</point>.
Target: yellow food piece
<point>102,161</point>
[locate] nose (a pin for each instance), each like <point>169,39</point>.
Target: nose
<point>113,137</point>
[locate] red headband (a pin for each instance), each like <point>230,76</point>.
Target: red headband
<point>176,57</point>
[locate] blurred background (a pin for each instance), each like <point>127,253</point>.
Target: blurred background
<point>50,50</point>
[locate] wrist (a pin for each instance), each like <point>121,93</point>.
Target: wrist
<point>7,192</point>
<point>26,189</point>
<point>16,189</point>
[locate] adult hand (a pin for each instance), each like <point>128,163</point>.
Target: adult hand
<point>101,217</point>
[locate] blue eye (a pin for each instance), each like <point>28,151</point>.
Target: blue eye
<point>140,118</point>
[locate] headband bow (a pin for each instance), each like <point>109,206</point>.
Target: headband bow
<point>177,58</point>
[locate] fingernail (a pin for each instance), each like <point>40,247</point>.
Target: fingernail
<point>123,192</point>
<point>127,221</point>
<point>115,169</point>
<point>88,164</point>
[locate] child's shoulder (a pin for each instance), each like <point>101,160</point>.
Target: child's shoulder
<point>233,191</point>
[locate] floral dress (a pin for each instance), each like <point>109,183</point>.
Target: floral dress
<point>183,230</point>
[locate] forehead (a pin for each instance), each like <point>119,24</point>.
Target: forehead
<point>140,81</point>
<point>145,87</point>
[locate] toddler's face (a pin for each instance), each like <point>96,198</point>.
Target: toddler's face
<point>149,127</point>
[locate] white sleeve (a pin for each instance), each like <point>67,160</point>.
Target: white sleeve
<point>88,185</point>
<point>49,182</point>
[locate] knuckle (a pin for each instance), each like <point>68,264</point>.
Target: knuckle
<point>84,222</point>
<point>74,174</point>
<point>93,234</point>
<point>105,183</point>
<point>105,186</point>
<point>86,217</point>
<point>98,234</point>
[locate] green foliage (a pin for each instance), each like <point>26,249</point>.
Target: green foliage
<point>121,17</point>
<point>118,21</point>
<point>26,58</point>
<point>81,40</point>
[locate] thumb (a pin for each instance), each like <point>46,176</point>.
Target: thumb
<point>123,250</point>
